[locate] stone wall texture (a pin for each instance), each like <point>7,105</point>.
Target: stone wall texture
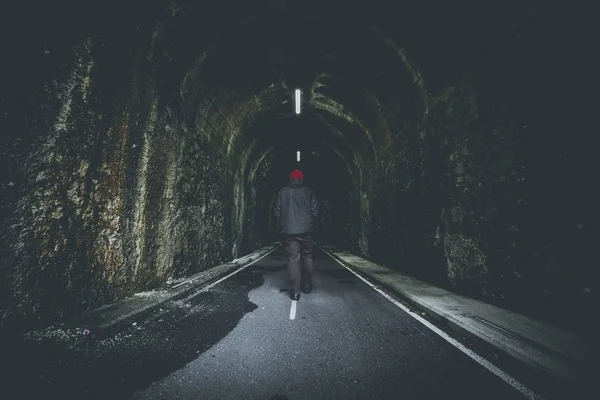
<point>148,143</point>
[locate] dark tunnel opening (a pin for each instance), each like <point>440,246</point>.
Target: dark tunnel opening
<point>325,171</point>
<point>145,142</point>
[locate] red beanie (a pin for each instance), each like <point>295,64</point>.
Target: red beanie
<point>297,174</point>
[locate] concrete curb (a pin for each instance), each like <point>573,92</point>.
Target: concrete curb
<point>126,311</point>
<point>547,361</point>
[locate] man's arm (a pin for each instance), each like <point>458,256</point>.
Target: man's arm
<point>314,206</point>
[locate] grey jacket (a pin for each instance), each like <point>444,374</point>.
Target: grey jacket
<point>296,208</point>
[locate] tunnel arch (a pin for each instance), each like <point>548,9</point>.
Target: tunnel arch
<point>158,130</point>
<point>324,84</point>
<point>231,40</point>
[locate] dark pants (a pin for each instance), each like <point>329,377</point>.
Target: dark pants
<point>299,247</point>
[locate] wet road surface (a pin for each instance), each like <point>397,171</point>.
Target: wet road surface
<point>237,341</point>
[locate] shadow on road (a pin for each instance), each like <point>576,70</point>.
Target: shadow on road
<point>66,364</point>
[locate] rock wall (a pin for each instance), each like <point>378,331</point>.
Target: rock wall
<point>485,196</point>
<point>114,191</point>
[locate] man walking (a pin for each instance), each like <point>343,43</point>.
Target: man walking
<point>296,208</point>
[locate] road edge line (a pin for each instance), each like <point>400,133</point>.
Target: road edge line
<point>520,387</point>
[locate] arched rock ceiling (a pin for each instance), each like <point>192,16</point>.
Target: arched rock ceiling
<point>355,82</point>
<point>361,90</point>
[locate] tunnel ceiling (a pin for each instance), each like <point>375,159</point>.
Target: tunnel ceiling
<point>344,74</point>
<point>361,87</point>
<point>367,72</point>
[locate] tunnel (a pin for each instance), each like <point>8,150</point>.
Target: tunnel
<point>144,142</point>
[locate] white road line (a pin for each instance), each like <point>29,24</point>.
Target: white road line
<point>477,358</point>
<point>293,309</point>
<point>238,270</point>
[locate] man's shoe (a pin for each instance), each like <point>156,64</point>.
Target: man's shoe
<point>307,288</point>
<point>295,296</point>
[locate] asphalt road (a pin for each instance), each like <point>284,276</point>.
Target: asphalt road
<point>237,341</point>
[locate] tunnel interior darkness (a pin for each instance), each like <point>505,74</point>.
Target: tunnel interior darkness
<point>325,171</point>
<point>147,141</point>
